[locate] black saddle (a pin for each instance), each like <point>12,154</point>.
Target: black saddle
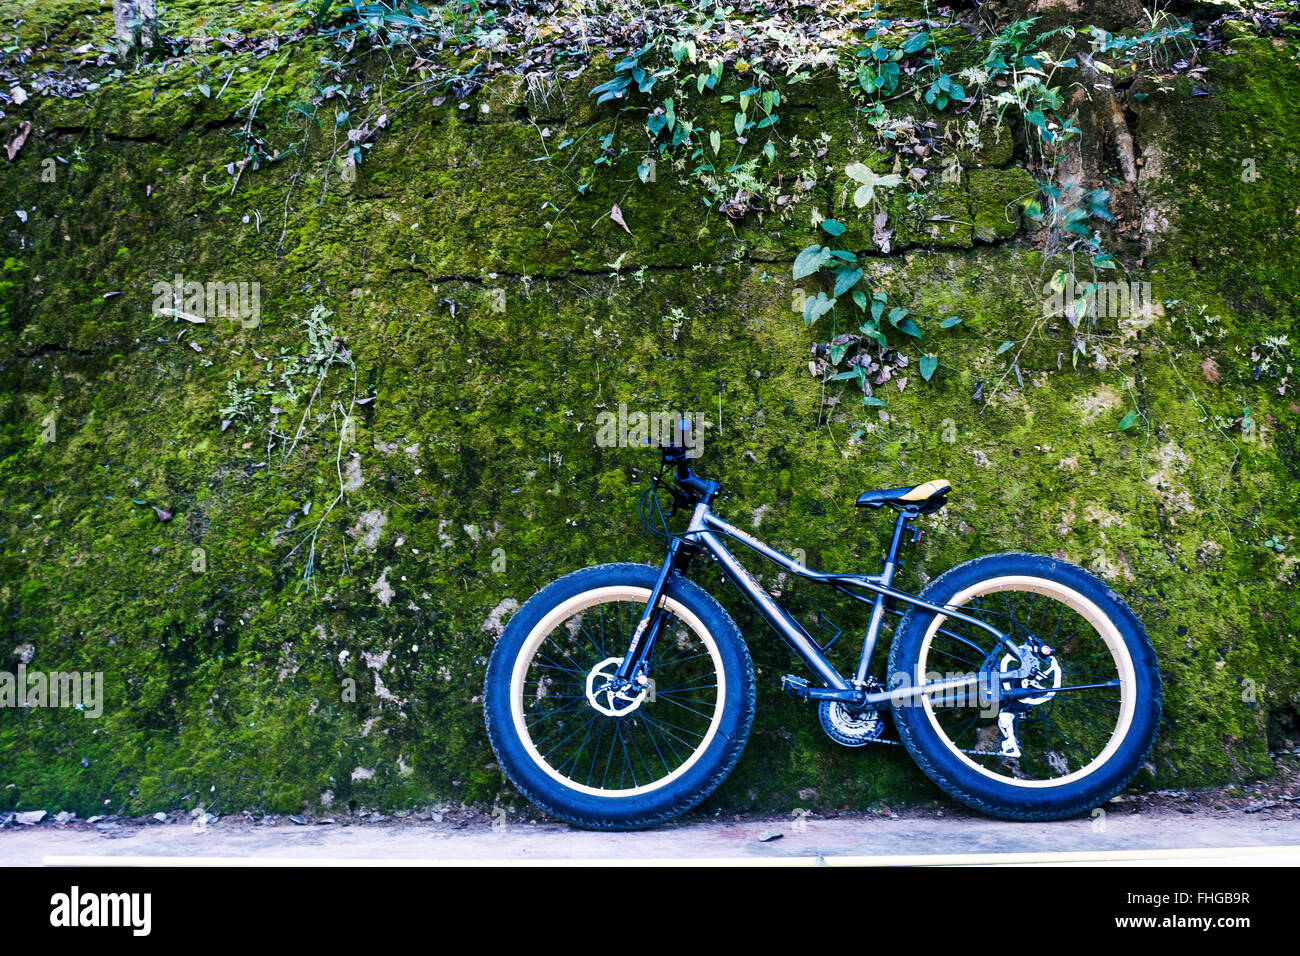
<point>925,498</point>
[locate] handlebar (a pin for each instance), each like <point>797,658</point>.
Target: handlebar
<point>695,489</point>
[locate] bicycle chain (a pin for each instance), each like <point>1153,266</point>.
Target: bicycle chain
<point>973,753</point>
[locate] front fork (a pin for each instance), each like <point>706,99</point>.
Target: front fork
<point>641,647</point>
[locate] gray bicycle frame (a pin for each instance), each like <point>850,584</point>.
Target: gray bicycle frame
<point>703,534</point>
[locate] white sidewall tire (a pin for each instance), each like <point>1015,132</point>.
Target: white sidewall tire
<point>634,808</point>
<point>562,612</point>
<point>997,795</point>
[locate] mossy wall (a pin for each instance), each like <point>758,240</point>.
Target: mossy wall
<point>493,313</point>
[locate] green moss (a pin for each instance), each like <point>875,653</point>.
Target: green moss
<point>478,293</point>
<point>995,198</point>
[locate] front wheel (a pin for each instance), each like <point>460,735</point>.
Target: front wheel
<point>627,758</point>
<point>1039,746</point>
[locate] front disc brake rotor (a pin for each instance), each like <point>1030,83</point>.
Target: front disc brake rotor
<point>610,696</point>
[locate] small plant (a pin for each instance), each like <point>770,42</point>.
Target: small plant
<point>239,405</point>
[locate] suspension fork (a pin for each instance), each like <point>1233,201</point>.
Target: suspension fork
<point>646,632</point>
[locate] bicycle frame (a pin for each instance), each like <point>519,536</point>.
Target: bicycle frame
<point>703,535</point>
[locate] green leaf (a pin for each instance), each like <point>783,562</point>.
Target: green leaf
<point>833,226</point>
<point>915,43</point>
<point>865,193</point>
<point>949,322</point>
<point>1003,347</point>
<point>908,327</point>
<point>860,299</point>
<point>927,366</point>
<point>860,173</point>
<point>846,279</point>
<point>739,123</point>
<point>809,261</point>
<point>670,113</point>
<point>869,329</point>
<point>1128,421</point>
<point>872,401</point>
<point>814,307</point>
<point>715,140</point>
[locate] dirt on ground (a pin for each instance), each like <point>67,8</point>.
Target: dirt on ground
<point>1272,799</point>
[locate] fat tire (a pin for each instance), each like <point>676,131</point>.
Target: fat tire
<point>642,810</point>
<point>1005,800</point>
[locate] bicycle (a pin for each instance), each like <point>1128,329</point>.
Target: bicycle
<point>621,695</point>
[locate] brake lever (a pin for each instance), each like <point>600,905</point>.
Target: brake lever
<point>679,500</point>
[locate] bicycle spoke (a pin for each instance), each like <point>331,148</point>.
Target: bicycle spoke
<point>636,743</point>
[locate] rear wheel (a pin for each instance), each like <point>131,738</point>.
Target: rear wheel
<point>608,757</point>
<point>1055,742</point>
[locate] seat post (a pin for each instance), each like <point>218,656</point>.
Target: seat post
<point>878,605</point>
<point>901,524</point>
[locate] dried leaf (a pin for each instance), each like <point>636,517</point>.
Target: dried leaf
<point>617,215</point>
<point>20,137</point>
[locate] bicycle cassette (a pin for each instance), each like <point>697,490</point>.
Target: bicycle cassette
<point>847,728</point>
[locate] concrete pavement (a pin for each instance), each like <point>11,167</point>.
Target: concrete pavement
<point>863,839</point>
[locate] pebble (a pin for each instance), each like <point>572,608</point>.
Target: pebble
<point>298,819</point>
<point>160,817</point>
<point>30,817</point>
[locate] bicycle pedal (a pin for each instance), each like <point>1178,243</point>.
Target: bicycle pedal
<point>795,687</point>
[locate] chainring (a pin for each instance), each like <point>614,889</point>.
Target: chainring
<point>847,728</point>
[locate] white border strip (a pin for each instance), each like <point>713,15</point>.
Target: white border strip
<point>916,859</point>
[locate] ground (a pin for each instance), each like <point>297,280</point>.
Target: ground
<point>1198,826</point>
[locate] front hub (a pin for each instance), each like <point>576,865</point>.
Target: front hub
<point>611,696</point>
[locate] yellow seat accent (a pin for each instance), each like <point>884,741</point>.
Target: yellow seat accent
<point>927,490</point>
